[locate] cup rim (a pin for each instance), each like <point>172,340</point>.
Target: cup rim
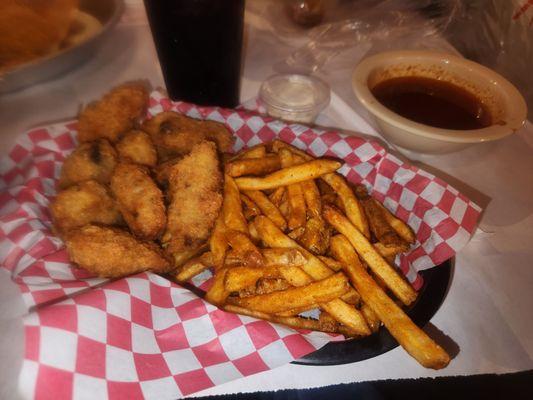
<point>515,115</point>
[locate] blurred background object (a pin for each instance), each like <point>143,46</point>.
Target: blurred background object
<point>40,39</point>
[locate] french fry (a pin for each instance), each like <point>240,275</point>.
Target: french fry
<point>251,210</point>
<point>272,236</point>
<point>401,288</point>
<point>253,166</point>
<point>314,268</point>
<point>297,233</point>
<point>331,263</point>
<point>312,198</point>
<point>245,248</point>
<point>379,226</point>
<point>276,197</point>
<point>194,266</point>
<point>401,228</point>
<point>413,339</point>
<point>371,318</point>
<point>232,208</point>
<point>253,232</point>
<point>351,205</point>
<point>278,144</point>
<point>351,297</point>
<point>295,195</point>
<point>238,278</point>
<point>257,151</point>
<point>272,257</point>
<point>267,208</point>
<point>294,322</point>
<point>217,294</point>
<point>218,243</point>
<point>284,207</point>
<point>315,237</point>
<point>287,176</point>
<point>269,285</point>
<point>388,251</point>
<point>317,292</point>
<point>295,276</point>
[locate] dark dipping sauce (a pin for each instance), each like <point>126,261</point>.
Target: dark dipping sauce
<point>433,102</point>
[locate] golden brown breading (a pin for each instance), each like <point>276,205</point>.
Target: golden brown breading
<point>195,201</point>
<point>112,252</point>
<point>116,113</point>
<point>139,199</point>
<point>82,204</point>
<point>162,171</point>
<point>176,134</point>
<point>136,146</point>
<point>92,160</point>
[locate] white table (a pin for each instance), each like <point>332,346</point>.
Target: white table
<point>487,313</point>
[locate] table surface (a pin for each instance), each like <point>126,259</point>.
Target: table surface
<point>485,321</point>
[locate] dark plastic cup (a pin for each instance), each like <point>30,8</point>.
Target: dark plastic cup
<point>199,45</point>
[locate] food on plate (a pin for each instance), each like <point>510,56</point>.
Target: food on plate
<point>89,161</point>
<point>112,252</point>
<point>33,29</point>
<point>267,270</point>
<point>115,114</point>
<point>176,134</point>
<point>411,337</point>
<point>281,231</point>
<point>195,199</point>
<point>82,204</point>
<point>139,199</point>
<point>136,146</point>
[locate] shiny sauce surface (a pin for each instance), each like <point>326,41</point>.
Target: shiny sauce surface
<point>433,102</point>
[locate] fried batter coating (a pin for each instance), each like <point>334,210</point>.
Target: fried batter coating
<point>136,146</point>
<point>176,134</point>
<point>139,199</point>
<point>92,160</point>
<point>195,201</point>
<point>116,113</point>
<point>112,252</point>
<point>162,171</point>
<point>82,204</point>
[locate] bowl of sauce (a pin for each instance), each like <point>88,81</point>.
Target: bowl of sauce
<point>435,102</point>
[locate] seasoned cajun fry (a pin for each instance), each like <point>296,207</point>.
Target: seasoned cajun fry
<point>401,228</point>
<point>287,176</point>
<point>315,237</point>
<point>312,198</point>
<point>245,248</point>
<point>271,257</point>
<point>238,278</point>
<point>251,210</point>
<point>257,151</point>
<point>218,243</point>
<point>351,205</point>
<point>217,294</point>
<point>278,144</point>
<point>294,322</point>
<point>331,263</point>
<point>269,285</point>
<point>194,266</point>
<point>267,208</point>
<point>317,292</point>
<point>400,287</point>
<point>253,166</point>
<point>295,195</point>
<point>276,197</point>
<point>371,318</point>
<point>232,208</point>
<point>388,251</point>
<point>344,313</point>
<point>380,227</point>
<point>411,337</point>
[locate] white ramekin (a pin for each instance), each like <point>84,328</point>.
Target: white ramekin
<point>505,103</point>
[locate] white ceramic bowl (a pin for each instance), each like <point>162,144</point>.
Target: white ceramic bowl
<point>505,104</point>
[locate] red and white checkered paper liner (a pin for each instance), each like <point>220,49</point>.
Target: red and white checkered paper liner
<point>144,336</point>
